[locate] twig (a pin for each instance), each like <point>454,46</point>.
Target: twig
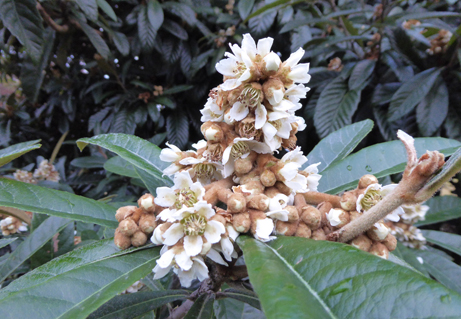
<point>59,28</point>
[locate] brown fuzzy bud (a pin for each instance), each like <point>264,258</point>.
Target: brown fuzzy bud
<point>303,231</point>
<point>215,151</point>
<point>138,239</point>
<point>219,218</point>
<point>338,217</point>
<point>147,223</point>
<point>271,87</point>
<point>258,202</point>
<point>253,187</point>
<point>138,212</point>
<point>146,202</point>
<point>293,214</point>
<point>284,189</point>
<point>354,214</point>
<point>311,216</point>
<point>285,228</point>
<point>255,215</point>
<point>367,180</point>
<point>236,203</point>
<point>271,192</point>
<point>390,242</point>
<point>318,234</point>
<point>378,232</point>
<point>290,143</point>
<point>124,212</point>
<point>348,201</point>
<point>212,131</point>
<point>268,178</point>
<point>241,222</point>
<point>243,165</point>
<point>361,242</point>
<point>429,163</point>
<point>121,240</point>
<point>379,250</point>
<point>127,227</point>
<point>324,208</point>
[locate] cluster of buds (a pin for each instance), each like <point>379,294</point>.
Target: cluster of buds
<point>410,24</point>
<point>12,225</point>
<point>221,40</point>
<point>133,288</point>
<point>440,43</point>
<point>335,64</point>
<point>45,171</point>
<point>136,224</point>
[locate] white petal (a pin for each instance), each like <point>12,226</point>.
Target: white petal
<point>198,190</point>
<point>264,46</point>
<point>278,214</point>
<point>191,161</point>
<point>213,231</point>
<point>173,234</point>
<point>157,236</point>
<point>172,169</point>
<point>230,84</point>
<point>160,272</point>
<point>269,131</point>
<point>168,155</point>
<point>333,217</point>
<point>216,257</point>
<point>227,248</point>
<point>185,278</point>
<point>200,268</point>
<point>193,245</point>
<point>182,181</point>
<point>289,171</point>
<point>173,147</point>
<point>264,228</point>
<point>299,73</point>
<point>183,260</point>
<point>295,58</point>
<point>226,67</point>
<point>259,147</point>
<point>165,197</point>
<point>165,260</point>
<point>249,45</point>
<point>228,168</point>
<point>261,116</point>
<point>272,62</point>
<point>204,209</point>
<point>226,154</point>
<point>238,111</point>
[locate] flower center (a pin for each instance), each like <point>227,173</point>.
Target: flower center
<point>240,69</point>
<point>194,225</point>
<point>277,124</point>
<point>370,199</point>
<point>214,152</point>
<point>248,130</point>
<point>185,197</point>
<point>205,170</point>
<point>238,149</point>
<point>250,96</point>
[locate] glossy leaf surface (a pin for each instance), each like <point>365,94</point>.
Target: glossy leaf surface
<point>442,208</point>
<point>14,151</point>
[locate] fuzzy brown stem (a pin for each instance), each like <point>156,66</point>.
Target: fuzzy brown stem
<point>315,198</point>
<point>213,189</point>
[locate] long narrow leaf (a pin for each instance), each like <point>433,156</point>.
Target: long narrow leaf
<point>442,208</point>
<point>448,241</point>
<point>14,151</point>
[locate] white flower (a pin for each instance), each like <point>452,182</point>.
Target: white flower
<point>313,178</point>
<point>372,195</point>
<point>183,193</point>
<point>171,155</point>
<point>264,229</point>
<point>296,92</point>
<point>413,213</point>
<point>212,111</point>
<point>240,148</point>
<point>199,271</point>
<point>272,61</point>
<point>293,160</point>
<point>333,216</point>
<point>205,171</point>
<point>276,207</point>
<point>225,246</point>
<point>194,225</point>
<point>277,127</point>
<point>298,72</point>
<point>249,99</point>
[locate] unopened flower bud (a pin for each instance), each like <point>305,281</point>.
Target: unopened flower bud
<point>379,250</point>
<point>271,63</point>
<point>256,215</point>
<point>127,227</point>
<point>253,187</point>
<point>138,239</point>
<point>290,143</point>
<point>205,247</point>
<point>146,202</point>
<point>348,201</point>
<point>285,228</point>
<point>274,90</point>
<point>124,212</point>
<point>293,214</point>
<point>219,218</point>
<point>138,212</point>
<point>324,208</point>
<point>362,242</point>
<point>284,189</point>
<point>390,242</point>
<point>354,214</point>
<point>121,240</point>
<point>215,151</point>
<point>303,230</point>
<point>258,202</point>
<point>243,165</point>
<point>378,232</point>
<point>311,216</point>
<point>147,223</point>
<point>367,180</point>
<point>157,236</point>
<point>236,203</point>
<point>318,234</point>
<point>338,217</point>
<point>429,163</point>
<point>241,222</point>
<point>271,192</point>
<point>212,132</point>
<point>268,178</point>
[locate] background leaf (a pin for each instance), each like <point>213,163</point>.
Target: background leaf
<point>433,109</point>
<point>448,241</point>
<point>321,279</point>
<point>43,200</point>
<point>202,308</point>
<point>107,9</point>
<point>22,19</point>
<point>14,151</point>
<point>89,7</point>
<point>229,308</point>
<point>244,8</point>
<point>442,208</point>
<point>97,41</point>
<point>360,74</point>
<point>150,18</point>
<point>6,241</point>
<point>339,144</point>
<point>177,126</point>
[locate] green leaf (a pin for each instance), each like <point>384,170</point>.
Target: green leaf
<point>177,128</point>
<point>383,93</point>
<point>31,244</point>
<point>121,167</point>
<point>335,107</point>
<point>321,279</point>
<point>150,18</point>
<point>380,160</point>
<point>136,304</point>
<point>432,110</point>
<point>95,39</point>
<point>449,169</point>
<point>244,295</point>
<point>338,144</point>
<point>6,241</point>
<point>178,89</point>
<point>442,208</point>
<point>88,162</point>
<point>446,272</point>
<point>77,293</point>
<point>411,257</point>
<point>261,23</point>
<point>150,182</point>
<point>425,15</point>
<point>32,75</point>
<point>412,92</point>
<point>202,308</point>
<point>43,200</point>
<point>452,242</point>
<point>265,8</point>
<point>122,43</point>
<point>244,7</point>
<point>104,6</point>
<point>22,19</point>
<point>135,150</point>
<point>14,151</point>
<point>360,74</point>
<point>175,29</point>
<point>89,7</point>
<point>228,308</point>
